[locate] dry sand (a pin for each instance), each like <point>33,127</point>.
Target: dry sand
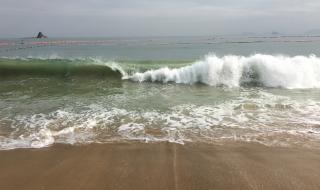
<point>160,166</point>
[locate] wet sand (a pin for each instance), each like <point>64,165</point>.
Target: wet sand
<point>160,166</point>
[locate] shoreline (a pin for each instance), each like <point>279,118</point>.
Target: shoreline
<point>160,166</point>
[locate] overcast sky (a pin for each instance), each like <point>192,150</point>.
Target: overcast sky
<point>20,18</point>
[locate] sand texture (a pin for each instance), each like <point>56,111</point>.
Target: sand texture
<point>162,166</point>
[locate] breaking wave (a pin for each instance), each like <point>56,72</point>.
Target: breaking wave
<point>261,70</point>
<point>236,71</point>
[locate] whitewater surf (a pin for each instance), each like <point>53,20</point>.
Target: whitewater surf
<point>235,71</point>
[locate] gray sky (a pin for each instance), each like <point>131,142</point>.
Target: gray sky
<point>20,18</point>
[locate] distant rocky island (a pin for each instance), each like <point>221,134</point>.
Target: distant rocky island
<point>40,35</point>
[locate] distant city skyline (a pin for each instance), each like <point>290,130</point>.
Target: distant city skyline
<point>157,18</point>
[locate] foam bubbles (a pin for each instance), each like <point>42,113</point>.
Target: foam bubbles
<point>42,139</point>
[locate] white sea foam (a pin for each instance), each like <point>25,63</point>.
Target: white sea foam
<point>234,71</point>
<point>259,117</point>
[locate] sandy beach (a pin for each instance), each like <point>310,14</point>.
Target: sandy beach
<point>160,166</point>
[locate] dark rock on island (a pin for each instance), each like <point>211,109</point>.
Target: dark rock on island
<point>40,35</point>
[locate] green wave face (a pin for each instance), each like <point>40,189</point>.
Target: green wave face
<point>84,67</point>
<point>57,67</point>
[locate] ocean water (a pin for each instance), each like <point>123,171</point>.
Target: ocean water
<point>174,89</point>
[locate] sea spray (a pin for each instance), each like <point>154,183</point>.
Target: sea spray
<point>234,71</point>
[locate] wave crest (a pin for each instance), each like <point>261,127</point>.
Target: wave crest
<point>235,71</point>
